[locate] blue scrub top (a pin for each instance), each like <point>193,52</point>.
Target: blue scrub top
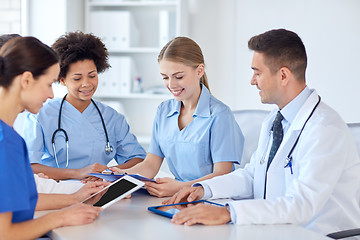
<point>212,136</point>
<point>86,134</point>
<point>17,185</point>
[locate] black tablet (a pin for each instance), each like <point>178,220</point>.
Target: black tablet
<point>117,190</point>
<point>170,209</point>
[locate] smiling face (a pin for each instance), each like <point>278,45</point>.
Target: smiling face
<point>267,82</point>
<point>81,81</point>
<point>40,89</point>
<point>181,80</point>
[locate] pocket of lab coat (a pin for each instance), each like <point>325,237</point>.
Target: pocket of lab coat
<point>290,172</point>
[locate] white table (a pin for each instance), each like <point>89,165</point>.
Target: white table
<point>129,219</point>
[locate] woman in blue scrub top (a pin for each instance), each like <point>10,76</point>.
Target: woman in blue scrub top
<point>195,132</point>
<point>27,70</point>
<point>82,57</point>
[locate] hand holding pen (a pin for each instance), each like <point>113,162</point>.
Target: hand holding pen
<point>114,170</point>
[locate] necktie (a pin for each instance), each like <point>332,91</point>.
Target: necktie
<point>277,137</point>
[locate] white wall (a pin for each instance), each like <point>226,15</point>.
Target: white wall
<point>330,30</point>
<point>212,26</point>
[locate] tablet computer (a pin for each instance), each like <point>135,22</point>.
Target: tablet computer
<point>116,190</point>
<point>170,209</point>
<point>113,176</point>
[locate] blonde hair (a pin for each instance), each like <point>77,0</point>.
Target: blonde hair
<point>186,51</point>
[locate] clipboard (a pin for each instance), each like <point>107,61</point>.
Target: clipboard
<point>113,176</point>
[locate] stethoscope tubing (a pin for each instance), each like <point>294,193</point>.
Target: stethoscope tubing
<point>289,157</point>
<point>108,147</point>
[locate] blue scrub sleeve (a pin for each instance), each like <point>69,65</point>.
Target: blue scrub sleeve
<point>154,146</point>
<point>13,182</point>
<point>226,139</point>
<point>34,138</point>
<point>127,145</point>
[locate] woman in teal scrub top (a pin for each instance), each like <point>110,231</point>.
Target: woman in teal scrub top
<point>96,133</point>
<point>27,70</point>
<point>195,132</point>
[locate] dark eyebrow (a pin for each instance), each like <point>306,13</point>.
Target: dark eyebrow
<point>254,68</point>
<point>79,74</point>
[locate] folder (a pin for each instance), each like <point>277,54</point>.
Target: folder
<point>112,176</point>
<point>121,35</point>
<point>116,80</point>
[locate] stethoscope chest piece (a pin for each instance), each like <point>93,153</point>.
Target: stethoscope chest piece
<point>108,148</point>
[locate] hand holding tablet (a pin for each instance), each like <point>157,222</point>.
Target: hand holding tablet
<point>116,191</point>
<point>170,210</point>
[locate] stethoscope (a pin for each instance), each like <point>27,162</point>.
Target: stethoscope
<point>288,160</point>
<point>108,147</point>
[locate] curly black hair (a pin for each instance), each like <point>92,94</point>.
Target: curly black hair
<point>77,46</point>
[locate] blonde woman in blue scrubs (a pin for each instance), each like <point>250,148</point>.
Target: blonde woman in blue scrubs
<point>195,132</point>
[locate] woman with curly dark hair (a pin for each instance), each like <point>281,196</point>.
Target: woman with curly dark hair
<point>76,135</point>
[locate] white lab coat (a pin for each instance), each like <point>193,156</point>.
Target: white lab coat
<point>51,186</point>
<point>322,194</point>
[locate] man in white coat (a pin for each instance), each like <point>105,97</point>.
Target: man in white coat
<point>313,179</point>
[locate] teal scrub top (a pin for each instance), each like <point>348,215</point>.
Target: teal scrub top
<point>17,184</point>
<point>86,135</point>
<point>212,136</point>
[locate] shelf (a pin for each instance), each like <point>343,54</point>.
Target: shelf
<point>134,32</point>
<point>136,96</point>
<point>132,3</point>
<point>136,50</point>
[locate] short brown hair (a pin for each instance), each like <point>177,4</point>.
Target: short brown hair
<point>282,48</point>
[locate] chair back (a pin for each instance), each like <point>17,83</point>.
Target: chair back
<point>250,122</point>
<point>355,130</point>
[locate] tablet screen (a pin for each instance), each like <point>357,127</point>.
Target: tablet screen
<point>114,191</point>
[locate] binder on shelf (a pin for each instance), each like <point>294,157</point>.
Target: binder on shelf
<point>116,28</point>
<point>116,80</point>
<point>167,26</point>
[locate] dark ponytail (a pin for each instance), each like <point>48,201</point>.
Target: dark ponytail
<point>1,65</point>
<point>24,54</point>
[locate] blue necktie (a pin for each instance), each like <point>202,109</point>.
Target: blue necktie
<point>277,137</point>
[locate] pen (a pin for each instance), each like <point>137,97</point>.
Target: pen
<point>288,163</point>
<point>290,166</point>
<point>108,171</point>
